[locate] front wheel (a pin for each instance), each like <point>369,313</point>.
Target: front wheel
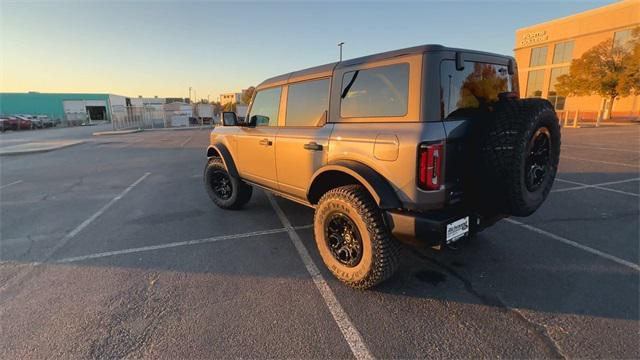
<point>226,191</point>
<point>352,239</point>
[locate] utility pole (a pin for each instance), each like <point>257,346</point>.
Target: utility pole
<point>189,93</point>
<point>340,46</point>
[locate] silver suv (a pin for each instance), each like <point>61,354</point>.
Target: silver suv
<point>427,144</point>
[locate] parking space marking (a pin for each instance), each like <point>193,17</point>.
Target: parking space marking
<point>349,331</point>
<point>176,244</point>
<point>597,186</point>
<point>9,184</point>
<point>182,144</point>
<point>596,147</point>
<point>77,229</point>
<point>576,245</point>
<point>600,161</point>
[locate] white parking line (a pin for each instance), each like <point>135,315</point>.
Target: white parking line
<point>176,244</point>
<point>597,186</point>
<point>186,141</point>
<point>9,184</point>
<point>349,331</point>
<point>77,229</point>
<point>601,161</point>
<point>596,147</point>
<point>576,245</point>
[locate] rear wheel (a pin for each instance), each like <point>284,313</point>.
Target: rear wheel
<point>352,239</point>
<point>226,191</point>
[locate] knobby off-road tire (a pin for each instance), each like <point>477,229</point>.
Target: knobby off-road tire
<point>352,206</point>
<point>226,191</point>
<point>519,154</point>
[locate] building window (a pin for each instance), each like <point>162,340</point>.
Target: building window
<point>307,103</point>
<point>534,83</point>
<point>622,39</point>
<point>380,91</point>
<point>562,53</point>
<point>538,56</point>
<point>553,97</point>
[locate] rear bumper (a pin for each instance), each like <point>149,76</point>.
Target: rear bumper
<point>431,228</point>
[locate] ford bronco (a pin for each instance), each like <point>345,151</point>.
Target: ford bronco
<point>427,144</point>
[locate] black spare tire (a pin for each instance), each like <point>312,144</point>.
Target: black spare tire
<point>519,151</point>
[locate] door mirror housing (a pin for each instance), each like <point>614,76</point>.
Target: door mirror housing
<point>229,118</point>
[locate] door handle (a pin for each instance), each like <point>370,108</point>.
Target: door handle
<point>313,146</point>
<point>266,142</point>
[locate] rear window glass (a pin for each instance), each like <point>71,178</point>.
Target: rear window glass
<point>375,92</point>
<point>463,93</point>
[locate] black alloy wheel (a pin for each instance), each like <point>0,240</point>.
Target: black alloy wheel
<point>343,239</point>
<point>221,185</point>
<point>538,163</point>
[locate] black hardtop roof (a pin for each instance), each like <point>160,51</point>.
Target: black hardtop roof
<point>329,68</point>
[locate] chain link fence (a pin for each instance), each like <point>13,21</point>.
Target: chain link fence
<point>152,117</point>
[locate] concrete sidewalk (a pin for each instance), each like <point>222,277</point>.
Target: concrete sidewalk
<point>36,147</point>
<point>131,131</point>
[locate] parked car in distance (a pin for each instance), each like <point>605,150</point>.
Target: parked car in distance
<point>6,123</point>
<point>24,123</point>
<point>45,121</point>
<point>34,123</point>
<point>14,123</point>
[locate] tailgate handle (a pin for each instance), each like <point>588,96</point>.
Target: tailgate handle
<point>266,142</point>
<point>313,146</point>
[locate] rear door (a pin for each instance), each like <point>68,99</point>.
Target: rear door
<point>303,140</point>
<point>256,145</point>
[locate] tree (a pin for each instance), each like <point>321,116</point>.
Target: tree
<point>247,94</point>
<point>229,107</point>
<point>607,70</point>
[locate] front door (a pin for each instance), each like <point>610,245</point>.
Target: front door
<point>302,143</point>
<point>256,145</point>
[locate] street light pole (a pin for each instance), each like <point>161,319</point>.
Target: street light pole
<point>340,46</point>
<point>189,93</point>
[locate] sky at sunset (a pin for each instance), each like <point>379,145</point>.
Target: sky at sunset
<point>162,48</point>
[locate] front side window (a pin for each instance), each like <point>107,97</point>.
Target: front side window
<point>538,56</point>
<point>563,52</point>
<point>534,83</point>
<point>265,108</point>
<point>465,92</point>
<point>375,92</point>
<point>307,103</point>
<point>553,97</point>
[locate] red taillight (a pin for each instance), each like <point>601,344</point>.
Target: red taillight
<point>429,167</point>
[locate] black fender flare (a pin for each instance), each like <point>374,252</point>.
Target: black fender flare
<point>220,150</point>
<point>379,188</point>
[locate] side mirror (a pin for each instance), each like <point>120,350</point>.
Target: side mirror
<point>229,118</point>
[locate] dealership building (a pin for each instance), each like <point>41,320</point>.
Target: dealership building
<point>66,107</point>
<point>544,52</point>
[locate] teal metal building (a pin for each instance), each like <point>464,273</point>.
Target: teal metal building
<point>72,106</point>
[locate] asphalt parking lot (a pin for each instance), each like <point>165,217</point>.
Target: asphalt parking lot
<point>111,249</point>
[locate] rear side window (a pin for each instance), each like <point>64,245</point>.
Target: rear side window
<point>463,93</point>
<point>375,92</point>
<point>266,106</point>
<point>307,103</point>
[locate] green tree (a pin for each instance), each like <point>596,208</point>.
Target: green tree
<point>247,95</point>
<point>606,70</point>
<point>229,107</point>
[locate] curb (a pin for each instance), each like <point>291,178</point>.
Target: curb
<point>132,131</point>
<point>39,150</point>
<point>116,132</point>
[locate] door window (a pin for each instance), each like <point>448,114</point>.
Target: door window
<point>265,108</point>
<point>307,103</point>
